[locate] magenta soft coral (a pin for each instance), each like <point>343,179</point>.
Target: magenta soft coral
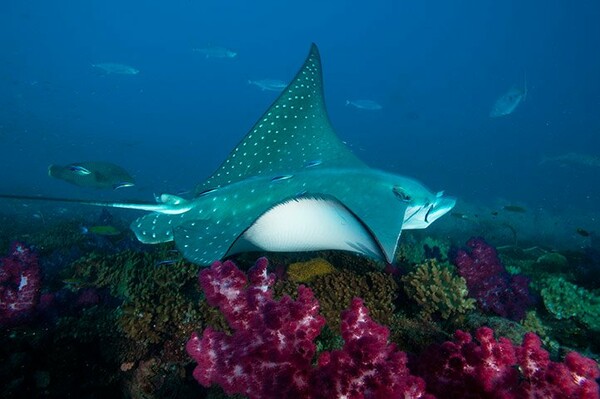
<point>490,368</point>
<point>270,353</point>
<point>489,282</point>
<point>368,366</point>
<point>20,283</point>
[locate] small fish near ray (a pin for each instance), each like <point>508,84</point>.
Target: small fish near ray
<point>115,68</point>
<point>97,174</point>
<point>508,102</point>
<point>216,52</point>
<point>268,84</point>
<point>368,105</point>
<point>290,185</point>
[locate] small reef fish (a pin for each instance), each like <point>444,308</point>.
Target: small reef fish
<point>573,158</point>
<point>166,262</point>
<point>368,105</point>
<point>509,101</point>
<point>583,232</point>
<point>268,84</point>
<point>459,215</point>
<point>119,69</point>
<point>215,52</point>
<point>514,208</point>
<point>80,170</point>
<point>101,230</point>
<point>92,174</point>
<point>74,284</point>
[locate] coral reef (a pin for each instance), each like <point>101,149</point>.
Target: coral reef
<point>415,249</point>
<point>157,303</point>
<point>413,334</point>
<point>438,291</point>
<point>20,283</point>
<point>367,365</point>
<point>271,349</point>
<point>270,352</point>
<point>58,236</point>
<point>489,282</point>
<point>566,300</point>
<point>491,368</point>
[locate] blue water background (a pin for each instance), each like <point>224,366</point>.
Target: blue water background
<point>436,67</point>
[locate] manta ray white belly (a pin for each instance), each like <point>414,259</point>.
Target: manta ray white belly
<point>308,224</point>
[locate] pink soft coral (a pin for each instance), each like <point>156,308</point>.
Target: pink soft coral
<point>489,282</point>
<point>271,350</point>
<point>20,283</point>
<point>367,366</point>
<point>493,368</point>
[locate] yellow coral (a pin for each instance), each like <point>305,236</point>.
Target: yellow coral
<point>437,290</point>
<point>302,272</point>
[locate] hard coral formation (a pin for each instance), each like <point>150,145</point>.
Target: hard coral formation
<point>414,334</point>
<point>20,283</point>
<point>58,236</point>
<point>302,272</point>
<point>566,300</point>
<point>490,368</point>
<point>271,350</point>
<point>489,282</point>
<point>438,291</point>
<point>413,251</point>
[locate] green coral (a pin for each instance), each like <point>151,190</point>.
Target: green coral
<point>566,300</point>
<point>412,250</point>
<point>438,291</point>
<point>414,334</point>
<point>58,236</point>
<point>159,300</point>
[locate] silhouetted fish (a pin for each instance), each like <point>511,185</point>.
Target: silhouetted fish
<point>368,105</point>
<point>92,174</point>
<point>573,158</point>
<point>514,208</point>
<point>215,52</point>
<point>582,232</point>
<point>269,84</point>
<point>509,101</point>
<point>120,69</point>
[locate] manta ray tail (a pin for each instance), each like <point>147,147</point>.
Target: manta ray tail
<point>154,228</point>
<point>169,208</point>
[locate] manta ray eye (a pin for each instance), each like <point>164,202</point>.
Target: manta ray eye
<point>401,194</point>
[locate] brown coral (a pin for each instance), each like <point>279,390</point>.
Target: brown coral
<point>336,290</point>
<point>437,290</point>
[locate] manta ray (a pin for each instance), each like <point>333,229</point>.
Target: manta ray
<point>290,185</point>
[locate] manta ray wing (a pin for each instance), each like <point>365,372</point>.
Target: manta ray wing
<point>294,133</point>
